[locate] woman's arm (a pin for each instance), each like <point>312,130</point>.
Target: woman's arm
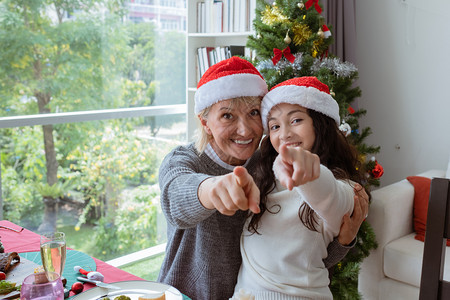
<point>193,188</point>
<point>180,175</point>
<point>230,193</point>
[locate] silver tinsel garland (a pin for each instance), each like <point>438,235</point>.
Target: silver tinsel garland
<point>340,69</point>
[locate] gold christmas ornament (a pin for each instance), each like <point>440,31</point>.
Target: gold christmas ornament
<point>287,39</point>
<point>315,48</point>
<point>300,5</point>
<point>362,158</point>
<point>320,33</point>
<point>301,33</point>
<point>272,15</point>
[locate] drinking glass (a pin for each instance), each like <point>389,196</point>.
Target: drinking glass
<point>53,252</point>
<point>42,286</point>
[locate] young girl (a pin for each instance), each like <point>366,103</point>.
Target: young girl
<point>309,172</point>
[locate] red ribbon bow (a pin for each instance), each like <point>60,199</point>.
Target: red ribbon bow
<point>309,3</point>
<point>278,54</point>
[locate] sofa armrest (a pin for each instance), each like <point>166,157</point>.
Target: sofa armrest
<point>391,209</point>
<point>391,212</point>
<point>391,217</point>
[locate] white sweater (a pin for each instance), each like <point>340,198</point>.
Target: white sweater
<point>284,261</point>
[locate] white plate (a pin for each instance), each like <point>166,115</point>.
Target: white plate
<point>132,289</point>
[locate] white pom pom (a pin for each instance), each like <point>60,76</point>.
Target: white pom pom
<point>345,128</point>
<point>77,268</point>
<point>95,276</point>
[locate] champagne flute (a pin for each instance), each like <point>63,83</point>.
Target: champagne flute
<point>42,286</point>
<point>53,252</point>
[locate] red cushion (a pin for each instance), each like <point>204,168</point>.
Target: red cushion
<point>421,197</point>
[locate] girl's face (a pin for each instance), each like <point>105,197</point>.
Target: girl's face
<point>236,130</point>
<point>290,124</point>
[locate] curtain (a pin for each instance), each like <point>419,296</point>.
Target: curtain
<point>341,15</point>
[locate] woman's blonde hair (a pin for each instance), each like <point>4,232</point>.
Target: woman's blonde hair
<point>202,138</point>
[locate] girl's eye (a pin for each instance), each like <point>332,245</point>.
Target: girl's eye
<point>255,113</point>
<point>297,120</point>
<point>273,127</point>
<point>227,116</point>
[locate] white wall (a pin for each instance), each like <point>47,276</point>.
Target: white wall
<point>403,57</point>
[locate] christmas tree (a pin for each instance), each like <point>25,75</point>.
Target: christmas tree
<point>291,40</point>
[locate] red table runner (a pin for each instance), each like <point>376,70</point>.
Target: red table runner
<point>28,241</point>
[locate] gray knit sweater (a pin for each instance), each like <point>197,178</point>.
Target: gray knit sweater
<point>202,256</point>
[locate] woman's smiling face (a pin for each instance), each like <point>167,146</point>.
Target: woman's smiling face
<point>236,130</point>
<point>290,124</point>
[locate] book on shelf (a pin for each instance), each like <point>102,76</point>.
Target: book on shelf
<point>218,14</point>
<point>208,56</point>
<point>251,15</point>
<point>215,16</point>
<point>199,13</point>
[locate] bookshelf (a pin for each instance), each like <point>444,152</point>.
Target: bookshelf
<point>195,40</point>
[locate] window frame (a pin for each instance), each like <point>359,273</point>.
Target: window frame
<point>97,115</point>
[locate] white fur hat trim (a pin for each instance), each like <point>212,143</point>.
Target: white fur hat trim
<point>228,87</point>
<point>308,97</point>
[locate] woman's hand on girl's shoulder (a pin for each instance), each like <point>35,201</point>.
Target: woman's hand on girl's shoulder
<point>295,166</point>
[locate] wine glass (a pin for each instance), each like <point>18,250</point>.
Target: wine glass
<point>53,252</point>
<point>42,286</point>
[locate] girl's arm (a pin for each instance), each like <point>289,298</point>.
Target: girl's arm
<point>299,169</point>
<point>340,246</point>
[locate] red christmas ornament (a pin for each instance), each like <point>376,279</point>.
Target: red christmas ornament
<point>351,110</point>
<point>377,171</point>
<point>77,287</point>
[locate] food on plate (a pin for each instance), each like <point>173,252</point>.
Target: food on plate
<point>8,261</point>
<point>39,269</point>
<point>2,276</point>
<point>7,287</point>
<point>154,296</point>
<point>122,297</point>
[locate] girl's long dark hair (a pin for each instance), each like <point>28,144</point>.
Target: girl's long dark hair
<point>334,152</point>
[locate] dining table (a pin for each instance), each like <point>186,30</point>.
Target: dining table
<point>15,238</point>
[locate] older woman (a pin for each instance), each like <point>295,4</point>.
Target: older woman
<point>207,188</point>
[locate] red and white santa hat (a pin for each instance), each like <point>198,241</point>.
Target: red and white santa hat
<point>308,92</point>
<point>326,31</point>
<point>230,78</point>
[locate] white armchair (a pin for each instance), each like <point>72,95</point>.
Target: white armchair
<point>392,271</point>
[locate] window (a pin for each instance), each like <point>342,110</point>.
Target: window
<point>92,97</point>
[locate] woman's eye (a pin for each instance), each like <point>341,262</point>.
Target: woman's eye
<point>255,112</point>
<point>227,116</point>
<point>297,120</point>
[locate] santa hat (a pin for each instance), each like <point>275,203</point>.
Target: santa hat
<point>326,31</point>
<point>229,78</point>
<point>308,92</point>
